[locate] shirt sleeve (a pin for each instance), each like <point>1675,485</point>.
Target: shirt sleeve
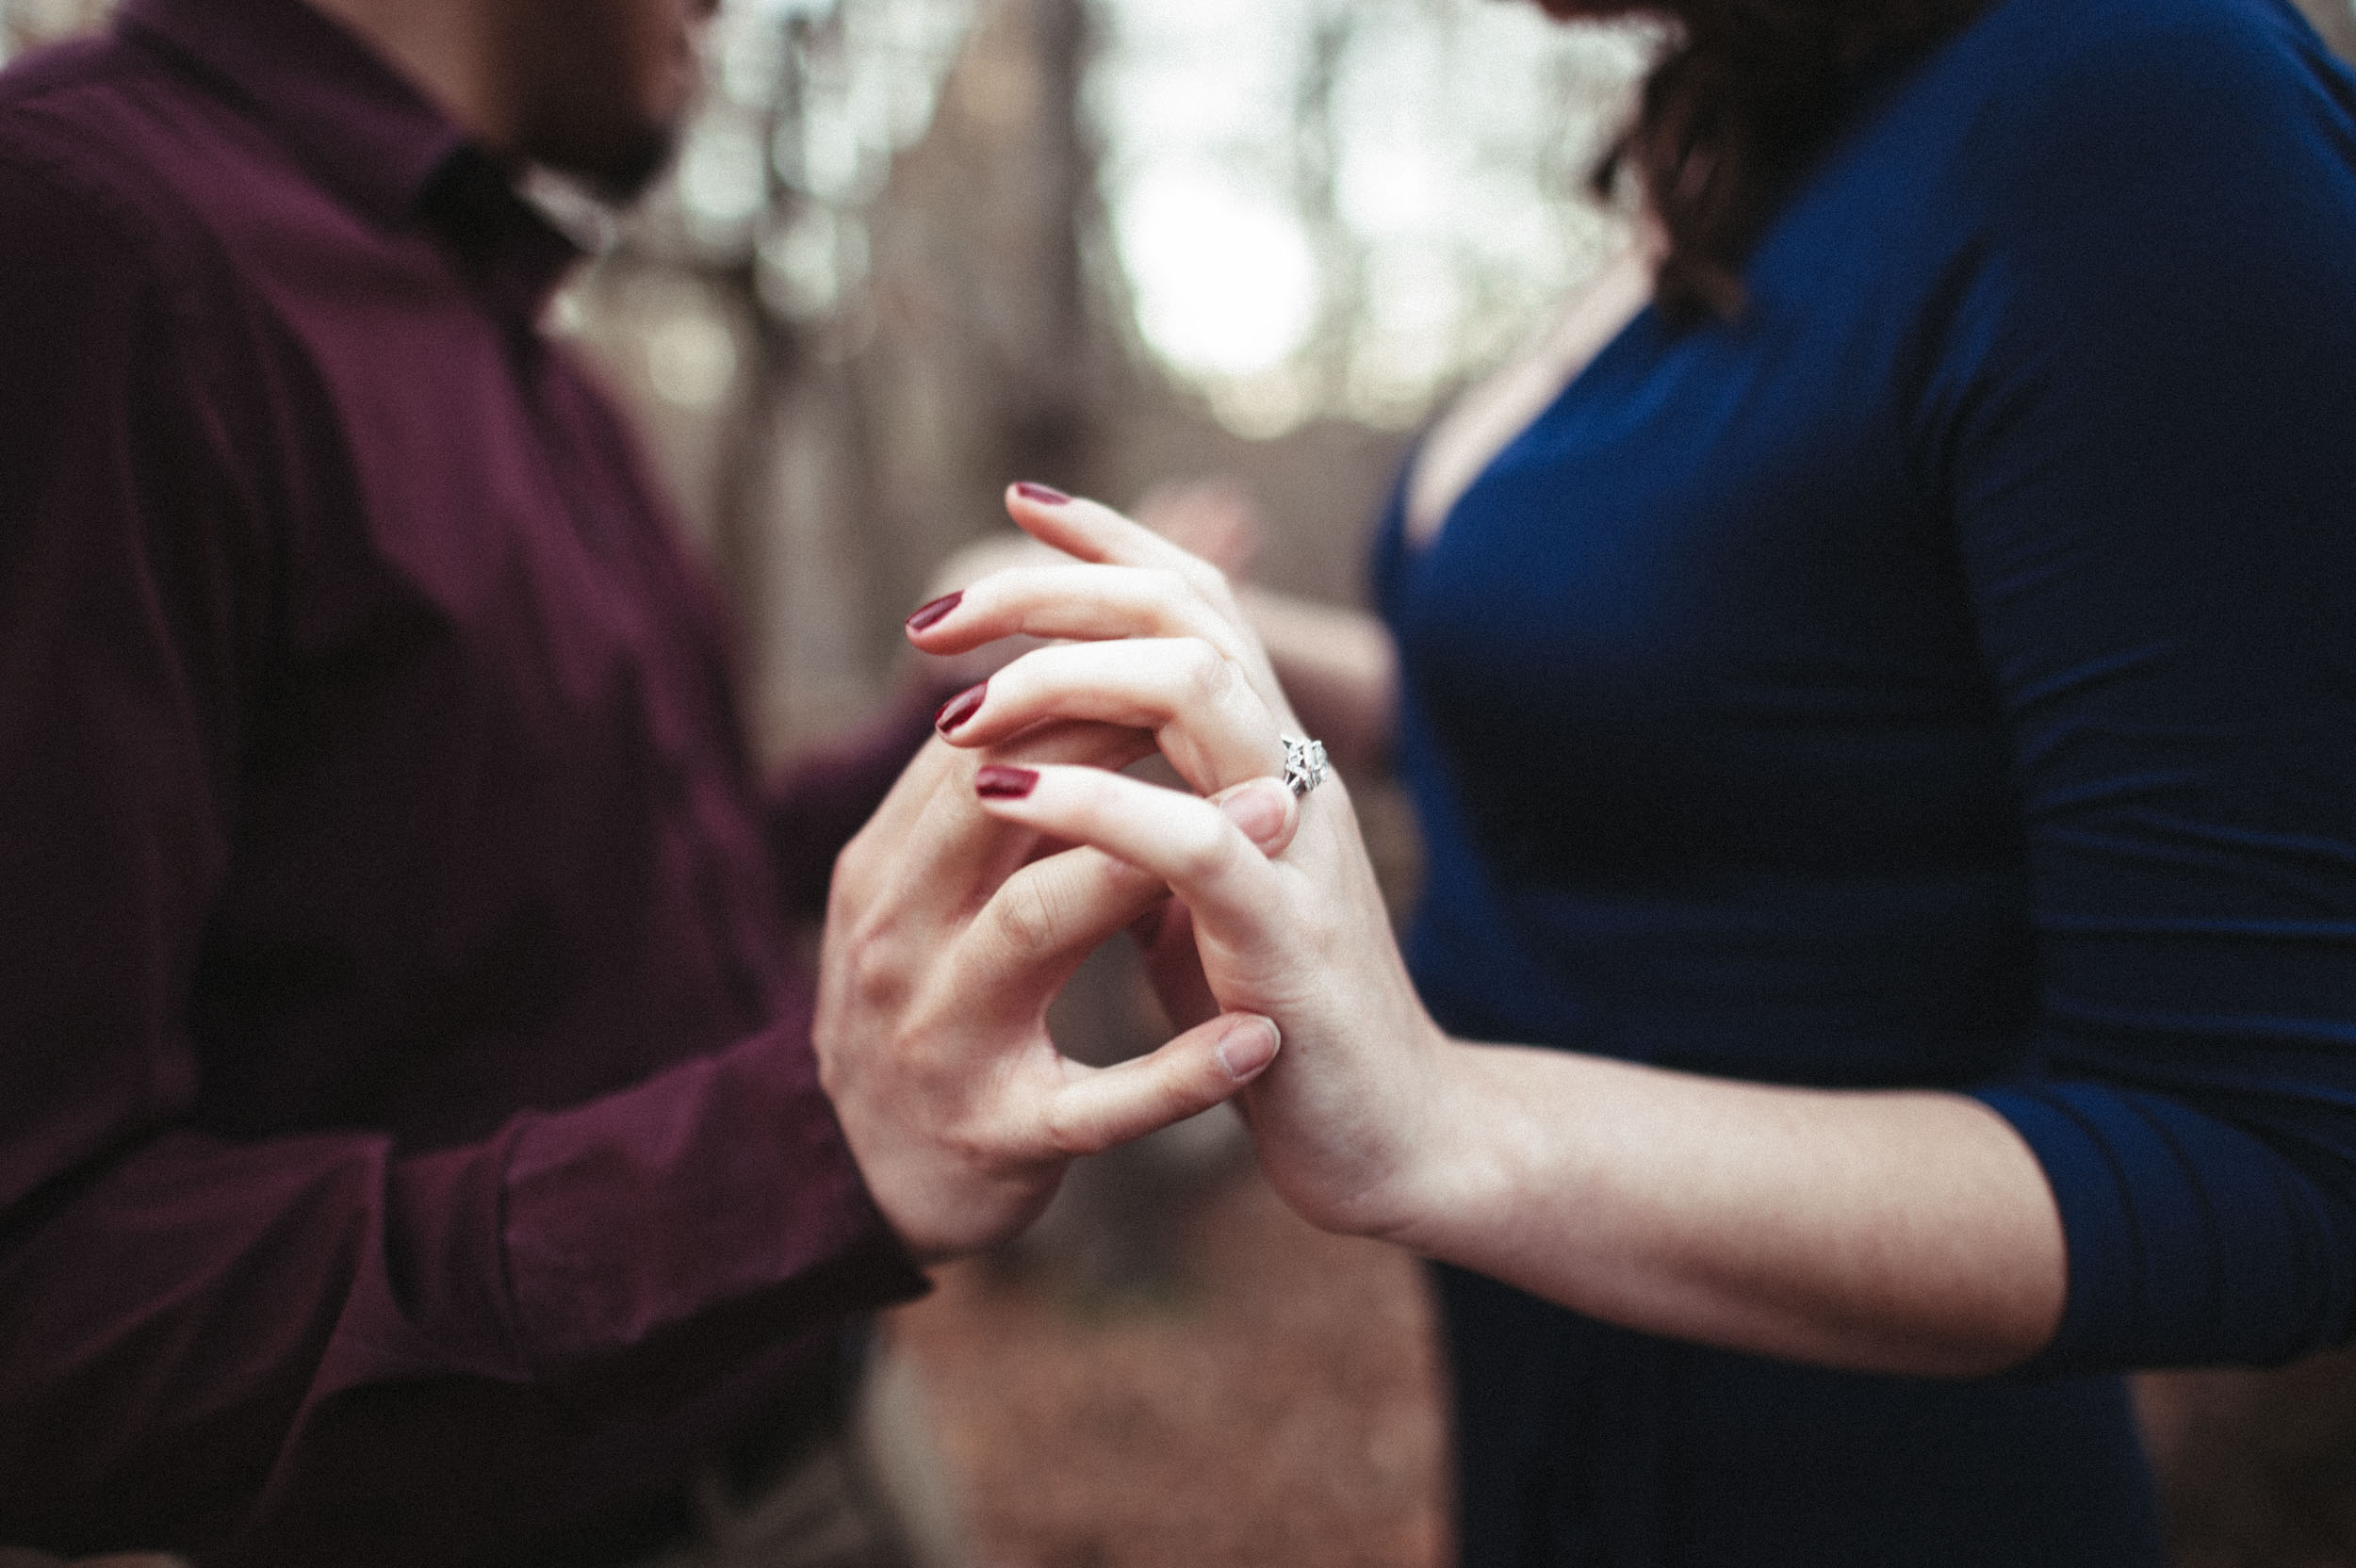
<point>2145,418</point>
<point>825,797</point>
<point>318,1347</point>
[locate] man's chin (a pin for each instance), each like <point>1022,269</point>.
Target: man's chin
<point>620,170</point>
<point>624,179</point>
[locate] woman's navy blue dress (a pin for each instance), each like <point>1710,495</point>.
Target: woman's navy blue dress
<point>1943,675</point>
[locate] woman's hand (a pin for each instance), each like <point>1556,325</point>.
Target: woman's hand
<point>1152,640</point>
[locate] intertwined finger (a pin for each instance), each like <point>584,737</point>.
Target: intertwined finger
<point>1165,939</point>
<point>1096,534</point>
<point>1084,602</point>
<point>1097,1109</point>
<point>1201,706</point>
<point>1038,926</point>
<point>930,847</point>
<point>1190,843</point>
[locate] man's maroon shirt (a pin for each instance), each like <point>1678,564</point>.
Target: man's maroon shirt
<point>410,1145</point>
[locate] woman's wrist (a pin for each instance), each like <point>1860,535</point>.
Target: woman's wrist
<point>1417,1160</point>
<point>1455,1157</point>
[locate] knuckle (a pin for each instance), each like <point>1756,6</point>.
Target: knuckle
<point>850,873</point>
<point>1168,583</point>
<point>1068,1132</point>
<point>836,1065</point>
<point>1203,670</point>
<point>878,981</point>
<point>965,1134</point>
<point>1203,855</point>
<point>1072,1129</point>
<point>1200,576</point>
<point>1027,918</point>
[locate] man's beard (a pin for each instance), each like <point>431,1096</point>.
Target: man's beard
<point>619,163</point>
<point>626,176</point>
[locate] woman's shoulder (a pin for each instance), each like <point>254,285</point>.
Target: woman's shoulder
<point>2201,35</point>
<point>2072,134</point>
<point>2050,82</point>
<point>2061,120</point>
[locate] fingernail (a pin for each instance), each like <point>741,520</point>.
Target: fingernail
<point>1247,1049</point>
<point>997,783</point>
<point>936,611</point>
<point>1045,494</point>
<point>1258,811</point>
<point>960,708</point>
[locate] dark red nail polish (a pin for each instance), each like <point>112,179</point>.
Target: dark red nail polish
<point>960,708</point>
<point>1046,495</point>
<point>996,783</point>
<point>938,611</point>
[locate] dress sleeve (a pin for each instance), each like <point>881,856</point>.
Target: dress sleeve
<point>2145,420</point>
<point>318,1348</point>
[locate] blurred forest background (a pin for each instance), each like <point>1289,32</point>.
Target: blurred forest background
<point>914,248</point>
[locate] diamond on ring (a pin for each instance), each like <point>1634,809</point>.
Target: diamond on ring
<point>1304,763</point>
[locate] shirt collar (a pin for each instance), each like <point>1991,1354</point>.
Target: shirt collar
<point>365,133</point>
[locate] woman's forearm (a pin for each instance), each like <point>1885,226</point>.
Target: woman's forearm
<point>1894,1231</point>
<point>1338,667</point>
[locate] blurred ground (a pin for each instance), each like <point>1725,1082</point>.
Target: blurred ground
<point>1275,1400</point>
<point>2257,1468</point>
<point>1272,1395</point>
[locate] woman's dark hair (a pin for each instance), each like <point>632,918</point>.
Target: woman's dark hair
<point>1747,92</point>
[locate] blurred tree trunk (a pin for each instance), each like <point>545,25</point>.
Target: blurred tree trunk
<point>989,362</point>
<point>2336,21</point>
<point>975,357</point>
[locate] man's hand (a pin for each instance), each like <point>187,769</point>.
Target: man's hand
<point>947,934</point>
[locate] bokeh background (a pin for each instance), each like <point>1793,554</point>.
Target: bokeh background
<point>913,248</point>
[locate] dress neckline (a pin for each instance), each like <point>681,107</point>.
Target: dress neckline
<point>1401,543</point>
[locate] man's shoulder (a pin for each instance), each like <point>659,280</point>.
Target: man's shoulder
<point>102,145</point>
<point>62,68</point>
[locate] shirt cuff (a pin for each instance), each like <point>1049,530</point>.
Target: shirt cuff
<point>721,1186</point>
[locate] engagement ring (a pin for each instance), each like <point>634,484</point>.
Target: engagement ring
<point>1304,763</point>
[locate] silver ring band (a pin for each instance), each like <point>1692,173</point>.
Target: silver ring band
<point>1304,763</point>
